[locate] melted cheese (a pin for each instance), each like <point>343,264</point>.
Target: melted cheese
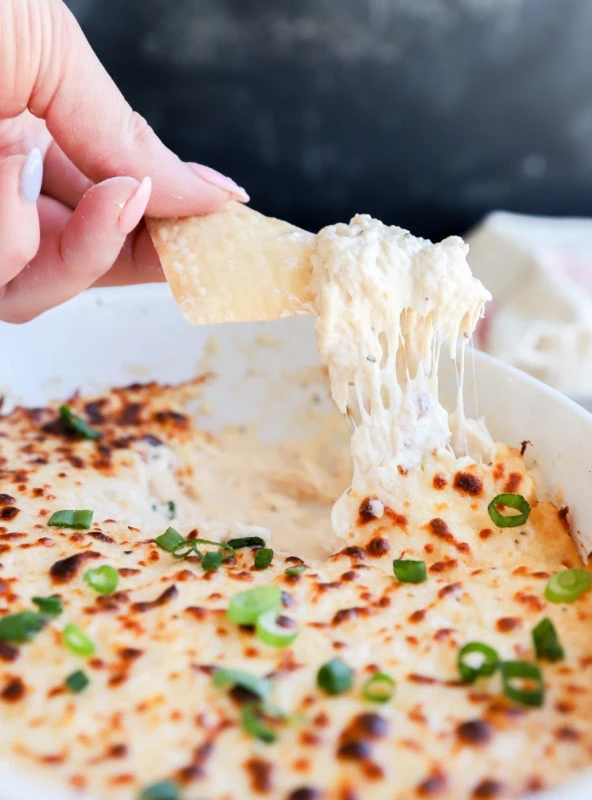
<point>152,669</point>
<point>388,303</point>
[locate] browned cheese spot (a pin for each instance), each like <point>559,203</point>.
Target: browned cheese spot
<point>439,481</point>
<point>65,569</point>
<point>507,624</point>
<point>365,514</point>
<point>467,483</point>
<point>474,732</point>
<point>260,774</point>
<point>377,547</point>
<point>304,793</point>
<point>433,784</point>
<point>439,528</point>
<point>161,600</point>
<point>14,690</point>
<point>513,482</point>
<point>487,789</point>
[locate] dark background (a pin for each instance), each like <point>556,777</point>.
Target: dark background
<point>425,113</point>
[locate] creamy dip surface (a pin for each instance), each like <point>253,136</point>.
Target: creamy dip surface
<point>153,713</point>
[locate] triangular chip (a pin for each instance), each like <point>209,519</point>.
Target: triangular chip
<point>235,265</point>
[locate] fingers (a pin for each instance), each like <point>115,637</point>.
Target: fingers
<point>20,183</point>
<point>53,215</point>
<point>69,260</point>
<point>61,179</point>
<point>49,66</point>
<point>137,262</point>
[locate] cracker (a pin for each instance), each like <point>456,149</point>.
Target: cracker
<point>235,265</point>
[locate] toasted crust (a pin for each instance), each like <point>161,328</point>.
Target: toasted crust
<point>235,265</point>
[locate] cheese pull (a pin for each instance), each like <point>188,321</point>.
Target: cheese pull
<point>235,265</point>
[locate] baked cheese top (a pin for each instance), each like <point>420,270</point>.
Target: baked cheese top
<point>151,711</point>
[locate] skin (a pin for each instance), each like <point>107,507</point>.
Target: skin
<point>104,168</point>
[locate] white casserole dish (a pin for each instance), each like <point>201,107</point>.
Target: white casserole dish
<point>118,336</point>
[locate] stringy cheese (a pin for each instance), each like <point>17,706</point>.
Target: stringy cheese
<point>387,303</point>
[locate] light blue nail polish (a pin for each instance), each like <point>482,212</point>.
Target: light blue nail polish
<point>32,176</point>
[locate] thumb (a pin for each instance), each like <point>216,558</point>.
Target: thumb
<point>49,67</point>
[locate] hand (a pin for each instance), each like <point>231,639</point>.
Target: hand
<point>78,168</point>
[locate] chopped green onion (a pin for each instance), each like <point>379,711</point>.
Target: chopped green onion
<point>165,790</point>
<point>77,641</point>
<point>21,627</point>
<point>77,425</point>
<point>254,725</point>
<point>77,681</point>
<point>170,540</point>
<point>408,571</point>
<point>103,579</point>
<point>236,677</point>
<point>172,509</point>
<point>246,607</point>
<point>509,501</point>
<point>379,688</point>
<point>271,632</point>
<point>263,557</point>
<point>295,570</point>
<point>246,541</point>
<point>485,663</point>
<point>212,560</point>
<point>546,642</point>
<point>49,607</point>
<point>530,690</point>
<point>70,518</point>
<point>568,585</point>
<point>335,677</point>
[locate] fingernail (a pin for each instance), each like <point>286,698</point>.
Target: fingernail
<point>134,209</point>
<point>32,176</point>
<point>223,182</point>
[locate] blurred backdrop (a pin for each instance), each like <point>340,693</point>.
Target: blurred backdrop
<point>425,113</point>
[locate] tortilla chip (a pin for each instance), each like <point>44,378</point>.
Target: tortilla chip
<point>235,265</point>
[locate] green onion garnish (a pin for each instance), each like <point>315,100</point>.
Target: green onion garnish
<point>21,627</point>
<point>254,725</point>
<point>379,688</point>
<point>236,677</point>
<point>49,607</point>
<point>69,518</point>
<point>103,579</point>
<point>484,661</point>
<point>335,677</point>
<point>408,571</point>
<point>171,509</point>
<point>212,560</point>
<point>271,632</point>
<point>246,541</point>
<point>509,501</point>
<point>295,570</point>
<point>263,557</point>
<point>77,425</point>
<point>77,681</point>
<point>568,585</point>
<point>546,642</point>
<point>165,790</point>
<point>530,690</point>
<point>77,641</point>
<point>170,540</point>
<point>246,607</point>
